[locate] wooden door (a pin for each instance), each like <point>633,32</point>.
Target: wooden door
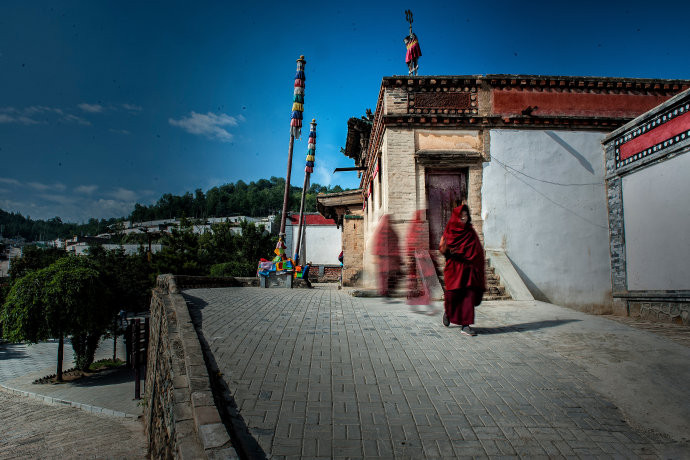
<point>444,190</point>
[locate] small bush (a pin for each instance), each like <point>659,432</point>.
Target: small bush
<point>234,268</point>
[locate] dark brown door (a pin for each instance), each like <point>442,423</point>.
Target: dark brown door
<point>444,189</point>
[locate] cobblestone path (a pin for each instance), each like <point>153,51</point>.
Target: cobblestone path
<point>31,429</point>
<point>317,373</point>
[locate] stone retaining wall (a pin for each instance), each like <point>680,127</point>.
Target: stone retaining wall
<point>181,419</point>
<point>663,311</point>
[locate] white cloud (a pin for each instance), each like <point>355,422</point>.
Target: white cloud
<point>42,187</point>
<point>7,180</point>
<point>75,119</point>
<point>209,125</point>
<point>61,199</point>
<point>87,189</point>
<point>323,173</point>
<point>34,109</point>
<point>132,107</point>
<point>17,118</point>
<point>26,116</point>
<point>119,131</point>
<point>91,108</point>
<point>123,194</point>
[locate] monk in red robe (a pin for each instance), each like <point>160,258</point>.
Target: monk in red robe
<point>464,270</point>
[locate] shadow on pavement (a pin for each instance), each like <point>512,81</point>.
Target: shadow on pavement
<point>522,327</point>
<point>12,351</point>
<point>106,377</point>
<point>245,443</point>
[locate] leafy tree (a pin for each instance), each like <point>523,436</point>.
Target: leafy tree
<point>75,305</point>
<point>57,301</point>
<point>126,277</point>
<point>34,258</point>
<point>180,252</point>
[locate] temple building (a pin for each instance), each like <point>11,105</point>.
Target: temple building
<point>523,151</point>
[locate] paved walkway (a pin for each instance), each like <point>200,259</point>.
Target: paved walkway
<point>32,429</point>
<point>110,392</point>
<point>93,417</point>
<point>317,373</point>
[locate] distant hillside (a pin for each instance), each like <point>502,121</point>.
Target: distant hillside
<point>255,199</point>
<point>13,225</point>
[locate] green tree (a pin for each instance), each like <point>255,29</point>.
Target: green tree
<point>55,302</point>
<point>34,258</point>
<point>76,305</point>
<point>180,252</point>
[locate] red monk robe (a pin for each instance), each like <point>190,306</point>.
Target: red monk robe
<point>464,270</point>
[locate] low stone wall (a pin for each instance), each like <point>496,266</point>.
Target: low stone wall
<point>661,311</point>
<point>181,419</point>
<point>193,282</point>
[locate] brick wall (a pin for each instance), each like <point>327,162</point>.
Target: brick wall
<point>181,419</point>
<point>353,241</point>
<point>395,101</point>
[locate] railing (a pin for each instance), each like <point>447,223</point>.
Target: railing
<point>137,344</point>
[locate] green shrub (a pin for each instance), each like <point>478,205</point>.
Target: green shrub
<point>234,268</point>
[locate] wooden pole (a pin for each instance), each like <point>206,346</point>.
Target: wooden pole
<point>311,150</point>
<point>286,195</point>
<point>301,217</point>
<point>295,129</point>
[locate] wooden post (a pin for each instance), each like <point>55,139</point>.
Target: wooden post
<point>136,350</point>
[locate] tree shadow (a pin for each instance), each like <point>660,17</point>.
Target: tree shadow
<point>12,351</point>
<point>106,377</point>
<point>242,438</point>
<point>523,327</point>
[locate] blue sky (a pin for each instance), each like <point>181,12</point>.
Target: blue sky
<point>105,104</point>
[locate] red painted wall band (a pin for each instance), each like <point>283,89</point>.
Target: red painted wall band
<point>513,102</point>
<point>657,134</point>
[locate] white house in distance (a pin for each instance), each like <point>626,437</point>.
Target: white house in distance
<point>321,243</point>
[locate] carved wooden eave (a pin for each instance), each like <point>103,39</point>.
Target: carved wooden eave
<point>490,122</point>
<point>336,205</point>
<point>358,132</point>
<point>663,86</point>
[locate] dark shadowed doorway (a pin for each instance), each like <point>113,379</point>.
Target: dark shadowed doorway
<point>444,190</point>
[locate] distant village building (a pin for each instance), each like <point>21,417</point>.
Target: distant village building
<point>647,171</point>
<point>199,226</point>
<point>523,151</point>
<point>320,245</point>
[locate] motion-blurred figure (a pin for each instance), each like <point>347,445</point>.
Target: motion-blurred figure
<point>388,252</point>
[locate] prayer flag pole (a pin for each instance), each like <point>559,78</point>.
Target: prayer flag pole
<point>308,169</point>
<point>295,132</point>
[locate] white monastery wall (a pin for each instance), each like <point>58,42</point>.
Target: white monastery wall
<point>322,244</point>
<point>544,203</point>
<point>656,218</point>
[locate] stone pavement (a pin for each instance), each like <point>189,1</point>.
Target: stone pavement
<point>93,417</point>
<point>110,392</point>
<point>32,429</point>
<point>320,374</point>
